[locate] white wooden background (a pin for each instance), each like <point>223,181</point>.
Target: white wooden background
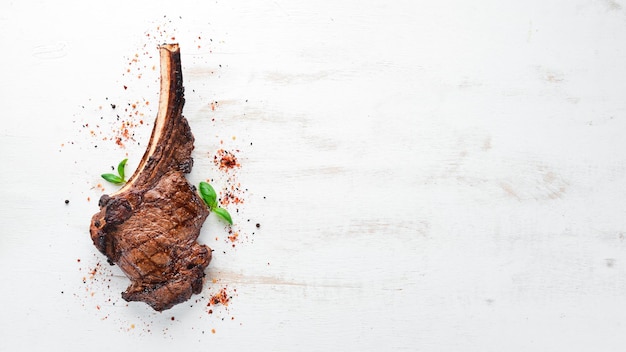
<point>427,175</point>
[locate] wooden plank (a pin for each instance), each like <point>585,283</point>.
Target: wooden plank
<point>425,175</point>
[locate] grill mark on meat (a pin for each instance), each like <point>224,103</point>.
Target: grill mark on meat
<point>149,227</point>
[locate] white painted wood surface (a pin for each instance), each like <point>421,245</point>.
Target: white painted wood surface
<point>428,176</point>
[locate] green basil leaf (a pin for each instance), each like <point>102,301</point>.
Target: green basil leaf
<point>208,195</point>
<point>113,178</point>
<point>222,213</point>
<point>120,169</point>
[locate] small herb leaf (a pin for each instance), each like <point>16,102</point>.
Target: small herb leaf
<point>208,195</point>
<point>207,192</point>
<point>119,178</point>
<point>113,178</point>
<point>222,213</point>
<point>120,169</point>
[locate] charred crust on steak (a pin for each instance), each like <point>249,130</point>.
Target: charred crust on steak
<point>149,227</point>
<point>117,211</point>
<point>103,200</point>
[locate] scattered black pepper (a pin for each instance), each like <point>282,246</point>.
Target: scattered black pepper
<point>258,225</point>
<point>67,201</point>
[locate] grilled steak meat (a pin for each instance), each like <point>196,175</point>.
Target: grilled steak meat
<point>149,226</point>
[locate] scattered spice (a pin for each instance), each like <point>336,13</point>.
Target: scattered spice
<point>219,298</point>
<point>67,201</point>
<point>225,160</point>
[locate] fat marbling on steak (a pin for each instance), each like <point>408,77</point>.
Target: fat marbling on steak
<point>149,226</point>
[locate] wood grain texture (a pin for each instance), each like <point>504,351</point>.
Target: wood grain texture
<point>428,176</point>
